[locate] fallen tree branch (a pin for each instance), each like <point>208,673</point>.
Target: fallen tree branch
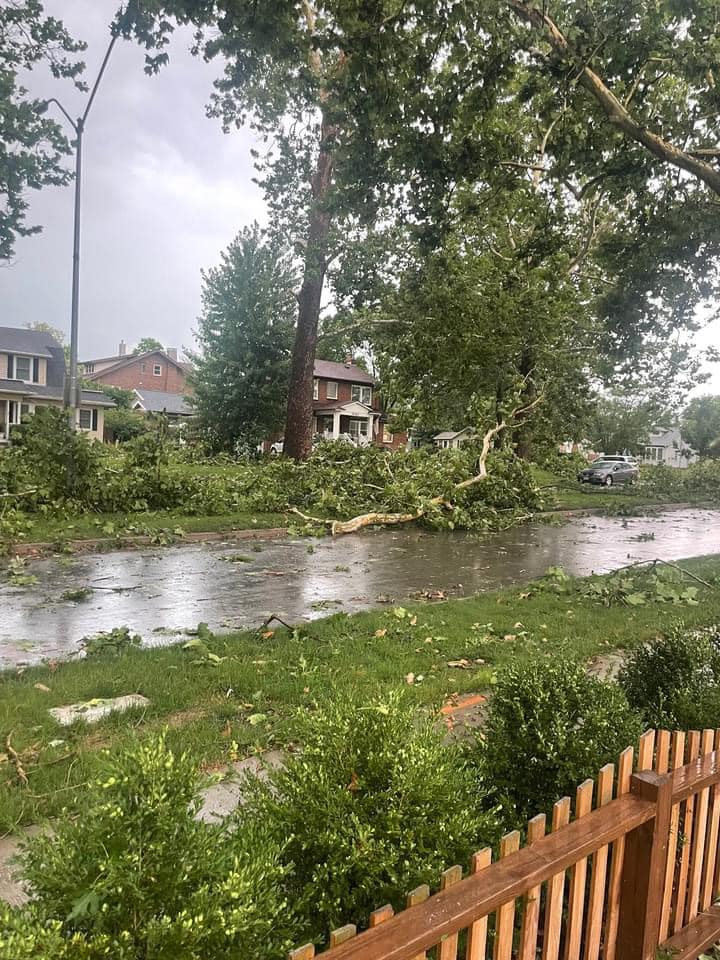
<point>14,758</point>
<point>340,527</point>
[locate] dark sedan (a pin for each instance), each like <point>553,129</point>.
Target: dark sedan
<point>609,472</point>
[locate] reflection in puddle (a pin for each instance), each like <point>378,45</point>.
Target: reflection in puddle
<point>168,589</point>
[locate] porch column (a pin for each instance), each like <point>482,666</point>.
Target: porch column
<point>371,437</point>
<point>336,425</point>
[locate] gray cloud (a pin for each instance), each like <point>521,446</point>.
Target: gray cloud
<point>164,192</point>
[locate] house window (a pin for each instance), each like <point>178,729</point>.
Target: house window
<point>157,370</point>
<point>358,428</point>
<point>331,390</point>
<point>85,419</point>
<point>361,394</point>
<point>23,368</point>
<point>89,368</point>
<point>316,389</point>
<point>387,436</point>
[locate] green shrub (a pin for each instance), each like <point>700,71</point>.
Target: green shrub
<point>139,873</point>
<point>675,680</point>
<point>550,726</point>
<point>374,805</point>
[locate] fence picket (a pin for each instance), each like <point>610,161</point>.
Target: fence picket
<point>578,877</point>
<point>447,948</point>
<point>306,952</point>
<point>342,934</point>
<point>598,871</point>
<point>662,755</point>
<point>555,890</point>
<point>678,757</point>
<point>699,835</point>
<point>711,853</point>
<point>625,766</point>
<point>477,934</point>
<point>505,916</point>
<point>693,751</point>
<point>381,915</point>
<point>531,913</point>
<point>415,897</point>
<point>646,750</point>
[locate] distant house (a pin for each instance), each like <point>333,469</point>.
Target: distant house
<point>174,405</point>
<point>667,448</point>
<point>452,439</point>
<point>157,370</point>
<point>32,375</point>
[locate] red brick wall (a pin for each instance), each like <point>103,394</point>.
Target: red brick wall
<point>130,375</point>
<point>344,392</point>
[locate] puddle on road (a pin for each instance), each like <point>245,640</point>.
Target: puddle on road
<point>168,589</point>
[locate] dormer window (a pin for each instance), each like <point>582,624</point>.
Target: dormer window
<point>25,368</point>
<point>361,394</point>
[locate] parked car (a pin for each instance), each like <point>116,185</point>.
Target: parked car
<point>620,458</point>
<point>609,472</point>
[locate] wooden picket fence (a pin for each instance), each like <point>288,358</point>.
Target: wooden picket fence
<point>632,875</point>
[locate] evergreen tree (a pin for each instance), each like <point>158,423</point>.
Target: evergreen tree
<point>245,336</point>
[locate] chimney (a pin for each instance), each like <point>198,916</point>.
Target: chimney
<point>122,349</point>
<point>348,359</point>
<point>172,352</point>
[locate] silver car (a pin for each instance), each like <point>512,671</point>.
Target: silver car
<point>609,472</point>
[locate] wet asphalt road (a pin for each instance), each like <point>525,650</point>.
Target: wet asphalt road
<point>159,592</point>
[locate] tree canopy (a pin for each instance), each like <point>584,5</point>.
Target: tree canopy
<point>244,337</point>
<point>32,145</point>
<point>700,425</point>
<point>147,345</point>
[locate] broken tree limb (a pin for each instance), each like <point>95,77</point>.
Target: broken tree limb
<point>341,527</point>
<point>15,760</point>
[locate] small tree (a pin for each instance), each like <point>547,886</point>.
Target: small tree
<point>245,336</point>
<point>147,345</point>
<point>701,425</point>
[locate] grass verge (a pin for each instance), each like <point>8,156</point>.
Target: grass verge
<point>238,693</point>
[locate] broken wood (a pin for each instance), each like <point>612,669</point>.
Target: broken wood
<point>339,527</point>
<point>15,760</point>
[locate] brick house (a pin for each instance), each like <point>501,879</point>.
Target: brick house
<point>347,404</point>
<point>32,375</point>
<point>158,371</point>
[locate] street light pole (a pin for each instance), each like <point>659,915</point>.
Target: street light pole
<point>71,392</point>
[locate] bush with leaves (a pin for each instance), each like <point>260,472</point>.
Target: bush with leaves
<point>139,878</point>
<point>61,461</point>
<point>374,805</point>
<point>550,726</point>
<point>675,680</point>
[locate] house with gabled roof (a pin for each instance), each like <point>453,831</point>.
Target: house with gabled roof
<point>32,375</point>
<point>159,371</point>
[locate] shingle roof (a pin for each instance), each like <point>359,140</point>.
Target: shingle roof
<point>95,398</point>
<point>158,401</point>
<point>121,361</point>
<point>35,343</point>
<point>330,370</point>
<point>450,434</point>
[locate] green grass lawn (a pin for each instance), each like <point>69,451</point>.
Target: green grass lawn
<point>244,698</point>
<point>110,526</point>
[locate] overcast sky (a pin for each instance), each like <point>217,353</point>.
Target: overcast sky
<point>164,192</point>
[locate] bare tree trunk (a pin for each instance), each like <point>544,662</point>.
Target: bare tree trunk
<point>298,425</point>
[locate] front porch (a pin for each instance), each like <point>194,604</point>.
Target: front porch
<point>12,410</point>
<point>350,421</point>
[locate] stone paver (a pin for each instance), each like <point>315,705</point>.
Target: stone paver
<point>93,710</point>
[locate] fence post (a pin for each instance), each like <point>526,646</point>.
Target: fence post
<point>643,879</point>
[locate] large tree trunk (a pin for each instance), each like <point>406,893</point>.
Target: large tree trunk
<point>298,426</point>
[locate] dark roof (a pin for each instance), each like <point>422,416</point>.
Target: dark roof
<point>330,370</point>
<point>35,343</point>
<point>158,401</point>
<point>95,398</point>
<point>118,362</point>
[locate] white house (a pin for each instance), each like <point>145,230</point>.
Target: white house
<point>452,439</point>
<point>667,448</point>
